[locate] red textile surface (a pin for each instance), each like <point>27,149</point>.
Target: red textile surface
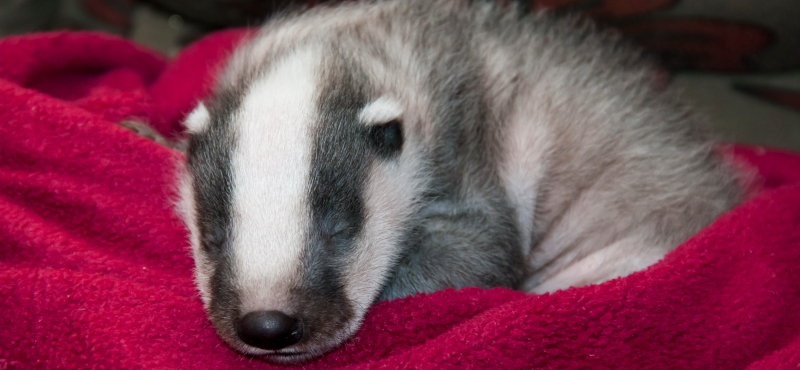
<point>96,271</point>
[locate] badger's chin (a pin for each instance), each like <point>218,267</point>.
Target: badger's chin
<point>289,358</point>
<point>282,356</point>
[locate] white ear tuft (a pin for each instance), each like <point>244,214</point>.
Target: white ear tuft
<point>380,111</point>
<point>198,120</point>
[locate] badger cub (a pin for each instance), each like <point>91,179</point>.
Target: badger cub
<point>369,151</point>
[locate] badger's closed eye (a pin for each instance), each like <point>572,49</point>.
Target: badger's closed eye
<point>387,138</point>
<point>337,235</point>
<point>214,236</point>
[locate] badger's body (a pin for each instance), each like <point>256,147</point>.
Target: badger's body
<point>374,150</point>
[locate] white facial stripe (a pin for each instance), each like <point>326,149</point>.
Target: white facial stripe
<point>390,199</point>
<point>270,169</point>
<point>188,211</point>
<point>382,110</point>
<point>197,121</point>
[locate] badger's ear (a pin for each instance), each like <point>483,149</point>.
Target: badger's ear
<point>197,121</point>
<point>381,111</point>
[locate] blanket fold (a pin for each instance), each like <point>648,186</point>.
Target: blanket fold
<point>95,269</point>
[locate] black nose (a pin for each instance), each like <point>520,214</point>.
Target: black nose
<point>269,329</point>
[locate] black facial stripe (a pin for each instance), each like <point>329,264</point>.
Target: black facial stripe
<point>336,183</point>
<point>209,162</point>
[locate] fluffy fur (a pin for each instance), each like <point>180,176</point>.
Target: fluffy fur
<point>375,150</point>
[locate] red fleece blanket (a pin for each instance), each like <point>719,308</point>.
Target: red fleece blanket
<point>96,271</point>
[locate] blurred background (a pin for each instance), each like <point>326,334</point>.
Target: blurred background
<point>738,61</point>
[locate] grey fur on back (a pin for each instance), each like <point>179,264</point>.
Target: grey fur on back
<point>623,157</point>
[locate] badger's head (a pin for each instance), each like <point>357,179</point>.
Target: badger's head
<point>302,175</point>
<point>307,172</point>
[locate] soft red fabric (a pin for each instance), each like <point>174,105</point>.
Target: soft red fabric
<point>96,271</point>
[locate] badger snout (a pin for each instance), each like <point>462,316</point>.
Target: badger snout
<point>271,330</point>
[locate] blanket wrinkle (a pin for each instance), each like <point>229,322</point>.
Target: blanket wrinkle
<point>96,272</point>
